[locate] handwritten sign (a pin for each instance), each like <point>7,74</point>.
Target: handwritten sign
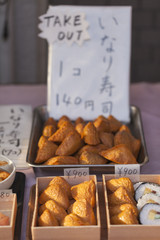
<point>130,170</point>
<point>62,26</point>
<point>15,127</point>
<point>76,174</point>
<point>89,77</point>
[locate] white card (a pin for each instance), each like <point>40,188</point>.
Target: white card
<point>89,61</point>
<point>15,129</point>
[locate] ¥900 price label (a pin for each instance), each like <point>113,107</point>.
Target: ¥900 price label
<point>130,170</point>
<point>76,174</point>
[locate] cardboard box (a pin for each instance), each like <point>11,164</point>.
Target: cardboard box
<point>131,232</point>
<point>8,206</point>
<point>91,232</point>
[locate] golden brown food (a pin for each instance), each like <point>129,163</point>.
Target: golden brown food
<point>63,119</point>
<point>70,144</point>
<point>50,121</point>
<point>90,134</point>
<point>114,124</point>
<point>102,124</point>
<point>91,158</point>
<point>79,128</point>
<point>83,210</point>
<point>56,193</point>
<point>47,219</point>
<point>46,151</point>
<point>79,120</point>
<point>72,220</point>
<point>125,217</point>
<point>42,141</point>
<point>62,160</point>
<point>3,175</point>
<point>113,184</point>
<point>120,196</point>
<point>64,185</point>
<point>115,210</point>
<point>48,130</point>
<point>107,139</point>
<point>85,190</point>
<point>54,208</point>
<point>125,137</point>
<point>4,220</point>
<point>62,132</point>
<point>2,163</point>
<point>119,154</point>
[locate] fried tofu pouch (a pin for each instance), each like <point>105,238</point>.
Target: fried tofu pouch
<point>47,219</point>
<point>54,208</point>
<point>90,134</point>
<point>124,136</point>
<point>56,193</point>
<point>124,217</point>
<point>46,151</point>
<point>119,154</point>
<point>72,220</point>
<point>115,210</point>
<point>91,158</point>
<point>70,144</point>
<point>85,190</point>
<point>120,196</point>
<point>113,184</point>
<point>84,210</point>
<point>64,185</point>
<point>61,160</point>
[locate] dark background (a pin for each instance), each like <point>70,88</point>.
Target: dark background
<point>23,56</point>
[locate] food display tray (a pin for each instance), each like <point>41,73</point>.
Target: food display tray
<point>18,187</point>
<point>31,205</point>
<point>39,117</point>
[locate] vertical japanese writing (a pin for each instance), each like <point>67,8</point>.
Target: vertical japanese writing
<point>107,45</point>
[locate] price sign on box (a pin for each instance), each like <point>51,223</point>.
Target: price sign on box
<point>130,170</point>
<point>89,61</point>
<point>76,174</point>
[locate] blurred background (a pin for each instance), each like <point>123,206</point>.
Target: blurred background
<point>23,55</point>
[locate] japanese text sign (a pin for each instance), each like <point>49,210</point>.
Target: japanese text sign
<point>15,128</point>
<point>89,61</point>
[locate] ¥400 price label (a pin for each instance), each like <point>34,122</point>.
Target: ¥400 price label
<point>130,170</point>
<point>76,174</point>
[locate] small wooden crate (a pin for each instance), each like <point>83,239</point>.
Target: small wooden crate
<point>91,232</point>
<point>131,232</point>
<point>8,206</point>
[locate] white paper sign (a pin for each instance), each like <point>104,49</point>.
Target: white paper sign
<point>130,170</point>
<point>15,129</point>
<point>89,77</point>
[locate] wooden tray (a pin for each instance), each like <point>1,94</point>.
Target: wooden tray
<point>102,212</point>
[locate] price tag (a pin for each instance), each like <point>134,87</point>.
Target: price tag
<point>6,195</point>
<point>76,174</point>
<point>131,171</point>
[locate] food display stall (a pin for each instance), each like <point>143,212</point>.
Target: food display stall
<point>88,158</point>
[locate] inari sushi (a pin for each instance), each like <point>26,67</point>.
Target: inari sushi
<point>150,214</point>
<point>145,188</point>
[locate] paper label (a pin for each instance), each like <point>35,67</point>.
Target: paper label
<point>64,27</point>
<point>6,195</point>
<point>129,170</point>
<point>15,128</point>
<point>76,174</point>
<point>93,78</point>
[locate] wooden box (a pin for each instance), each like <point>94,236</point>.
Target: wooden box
<point>91,232</point>
<point>131,232</point>
<point>8,206</point>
